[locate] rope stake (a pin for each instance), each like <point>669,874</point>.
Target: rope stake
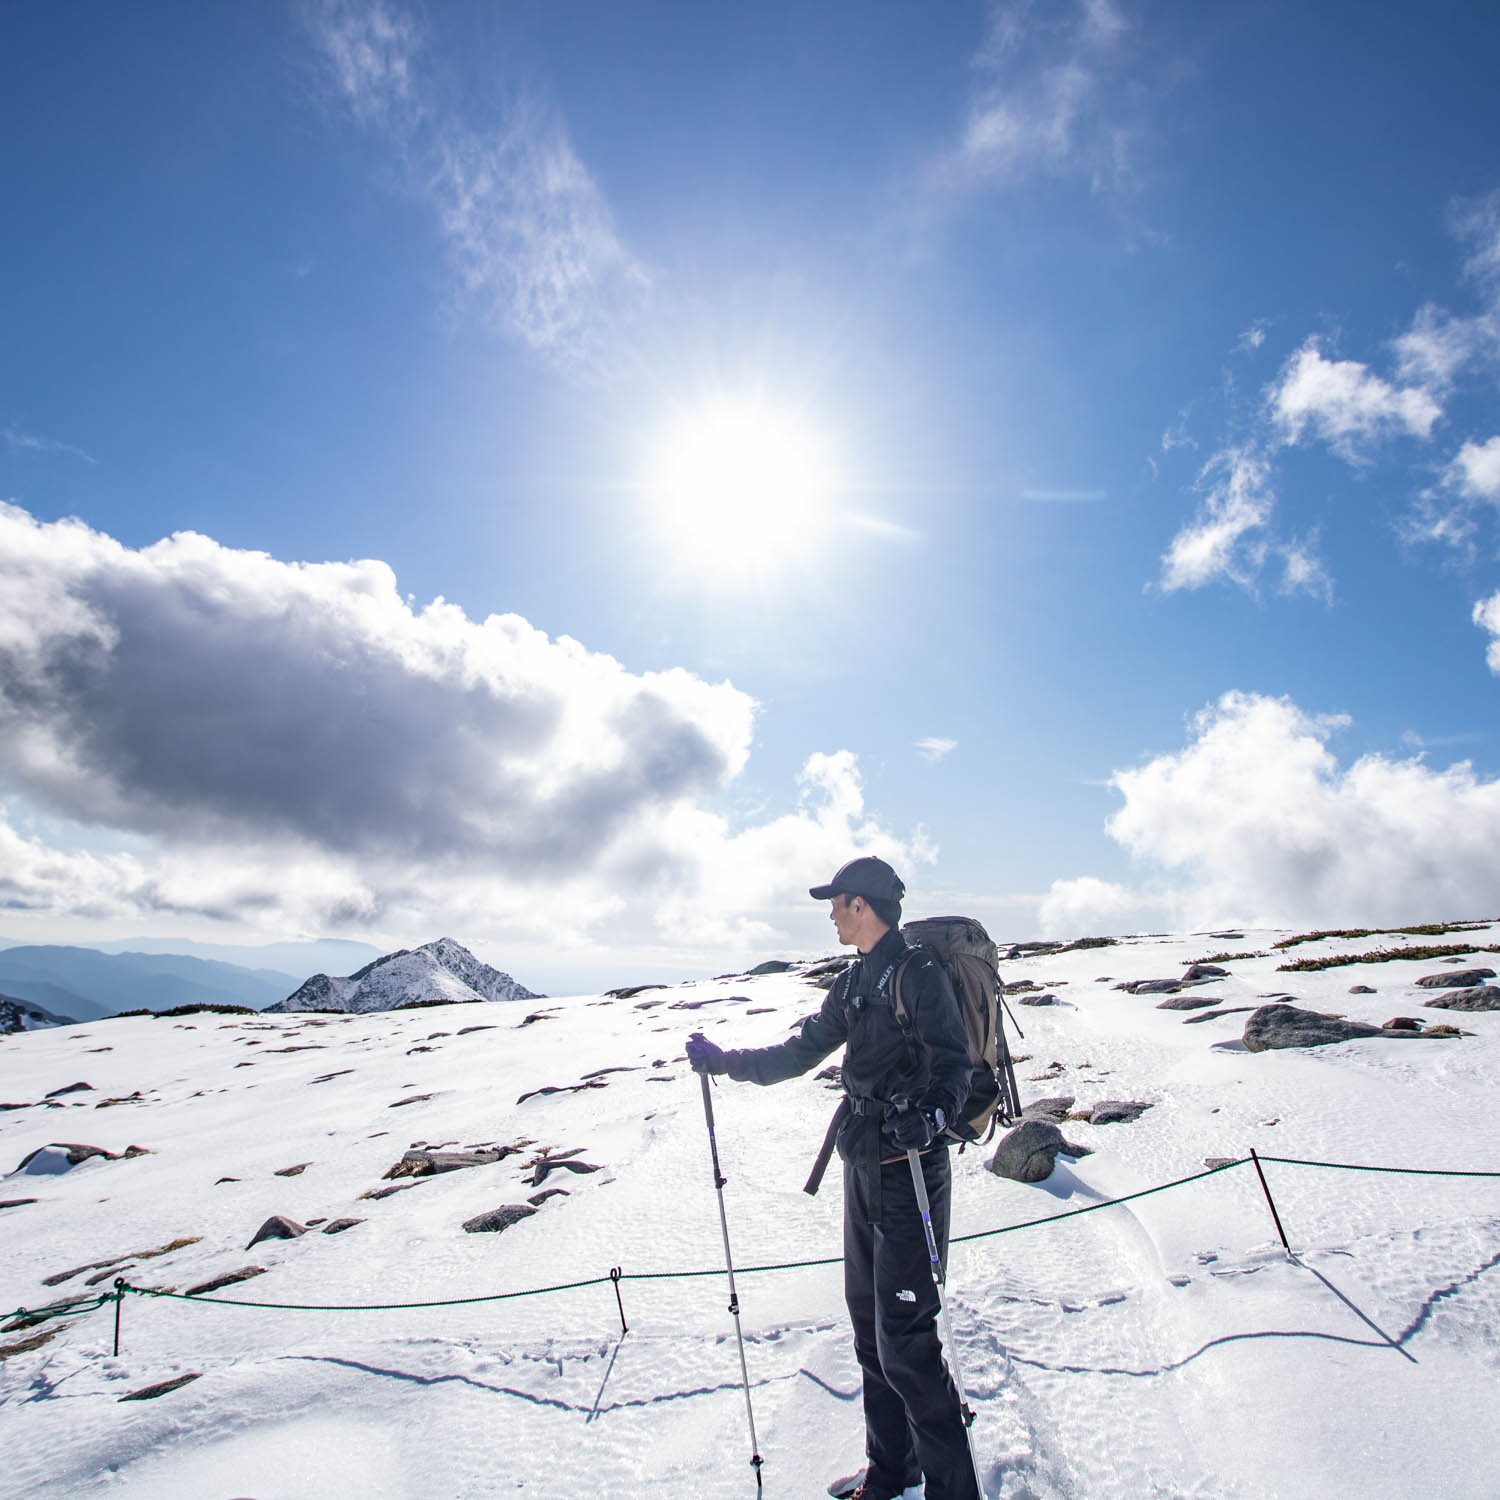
<point>1266,1189</point>
<point>614,1275</point>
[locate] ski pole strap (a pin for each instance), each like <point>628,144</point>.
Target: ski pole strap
<point>825,1151</point>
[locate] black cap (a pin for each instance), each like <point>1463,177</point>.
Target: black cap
<point>866,876</point>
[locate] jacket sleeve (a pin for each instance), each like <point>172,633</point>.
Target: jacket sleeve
<point>941,1028</point>
<point>818,1036</point>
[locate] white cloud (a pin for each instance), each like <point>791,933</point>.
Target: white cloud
<point>1345,404</point>
<point>528,230</point>
<point>1476,470</point>
<point>296,745</point>
<point>1303,571</point>
<point>1041,101</point>
<point>27,442</point>
<point>1087,906</point>
<point>1487,617</point>
<point>934,749</point>
<point>1253,337</point>
<point>1237,504</point>
<point>1436,347</point>
<point>1255,821</point>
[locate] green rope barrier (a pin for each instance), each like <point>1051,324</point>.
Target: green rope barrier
<point>64,1310</point>
<point>1344,1166</point>
<point>93,1304</point>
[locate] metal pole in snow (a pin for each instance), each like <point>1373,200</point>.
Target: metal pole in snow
<point>734,1299</point>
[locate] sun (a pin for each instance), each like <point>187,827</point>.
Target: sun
<point>737,485</point>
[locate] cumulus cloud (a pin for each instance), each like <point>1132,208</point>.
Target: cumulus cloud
<point>1255,821</point>
<point>528,230</point>
<point>1475,472</point>
<point>934,749</point>
<point>299,741</point>
<point>1487,617</point>
<point>1346,404</point>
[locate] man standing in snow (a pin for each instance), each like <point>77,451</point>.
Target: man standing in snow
<point>900,1089</point>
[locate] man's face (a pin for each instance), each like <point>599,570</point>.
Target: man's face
<point>845,916</point>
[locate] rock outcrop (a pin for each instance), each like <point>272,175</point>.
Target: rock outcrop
<point>1276,1026</point>
<point>1030,1151</point>
<point>1455,979</point>
<point>1474,997</point>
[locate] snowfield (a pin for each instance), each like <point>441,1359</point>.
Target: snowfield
<point>1164,1347</point>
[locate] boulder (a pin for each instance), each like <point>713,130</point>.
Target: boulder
<point>1276,1026</point>
<point>1401,1023</point>
<point>162,1387</point>
<point>1030,1151</point>
<point>278,1227</point>
<point>338,1226</point>
<point>1117,1111</point>
<point>498,1219</point>
<point>1186,1002</point>
<point>1151,986</point>
<point>228,1279</point>
<point>80,1088</point>
<point>1454,979</point>
<point>1475,997</point>
<point>1361,989</point>
<point>60,1156</point>
<point>1204,971</point>
<point>431,1163</point>
<point>1045,998</point>
<point>1055,1108</point>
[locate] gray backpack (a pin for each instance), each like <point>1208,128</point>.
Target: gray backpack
<point>970,960</point>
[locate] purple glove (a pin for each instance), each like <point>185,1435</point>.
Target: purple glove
<point>705,1056</point>
<point>914,1129</point>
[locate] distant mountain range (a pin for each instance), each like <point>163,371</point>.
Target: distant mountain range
<point>87,984</point>
<point>441,970</point>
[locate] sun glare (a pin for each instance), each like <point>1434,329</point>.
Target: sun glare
<point>737,486</point>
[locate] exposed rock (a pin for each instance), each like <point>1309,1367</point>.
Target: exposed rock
<point>1276,1026</point>
<point>548,1165</point>
<point>498,1219</point>
<point>277,1227</point>
<point>1021,987</point>
<point>600,1072</point>
<point>630,991</point>
<point>1204,971</point>
<point>415,1099</point>
<point>1150,986</point>
<point>296,1171</point>
<point>770,966</point>
<point>1446,1031</point>
<point>537,1199</point>
<point>1361,989</point>
<point>1030,1151</point>
<point>1454,979</point>
<point>228,1279</point>
<point>60,1156</point>
<point>1212,1162</point>
<point>80,1088</point>
<point>431,1163</point>
<point>25,1346</point>
<point>465,1030</point>
<point>16,1202</point>
<point>1401,1023</point>
<point>1474,997</point>
<point>1045,998</point>
<point>385,1192</point>
<point>1186,1002</point>
<point>1117,1111</point>
<point>1055,1108</point>
<point>338,1226</point>
<point>162,1387</point>
<point>563,1088</point>
<point>326,1078</point>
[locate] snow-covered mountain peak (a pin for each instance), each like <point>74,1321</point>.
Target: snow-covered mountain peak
<point>440,970</point>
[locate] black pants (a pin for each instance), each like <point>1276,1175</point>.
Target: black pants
<point>913,1423</point>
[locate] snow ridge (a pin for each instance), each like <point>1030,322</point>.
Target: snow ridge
<point>440,970</point>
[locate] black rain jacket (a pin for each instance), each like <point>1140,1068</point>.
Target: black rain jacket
<point>931,1069</point>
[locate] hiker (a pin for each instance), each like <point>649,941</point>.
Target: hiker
<point>901,1087</point>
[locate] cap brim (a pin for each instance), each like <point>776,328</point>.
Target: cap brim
<point>823,892</point>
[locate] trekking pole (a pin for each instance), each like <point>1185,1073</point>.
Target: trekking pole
<point>914,1157</point>
<point>734,1298</point>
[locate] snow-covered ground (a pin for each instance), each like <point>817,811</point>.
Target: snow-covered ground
<point>1167,1347</point>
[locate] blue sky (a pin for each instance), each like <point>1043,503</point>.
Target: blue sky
<point>1055,446</point>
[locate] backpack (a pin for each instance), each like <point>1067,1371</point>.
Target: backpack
<point>964,950</point>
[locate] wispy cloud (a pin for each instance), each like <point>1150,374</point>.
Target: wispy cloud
<point>26,442</point>
<point>1222,540</point>
<point>1041,101</point>
<point>934,749</point>
<point>528,230</point>
<point>1487,618</point>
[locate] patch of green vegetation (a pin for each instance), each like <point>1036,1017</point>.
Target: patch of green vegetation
<point>212,1010</point>
<point>1099,942</point>
<point>1224,958</point>
<point>1381,956</point>
<point>1421,929</point>
<point>427,1004</point>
